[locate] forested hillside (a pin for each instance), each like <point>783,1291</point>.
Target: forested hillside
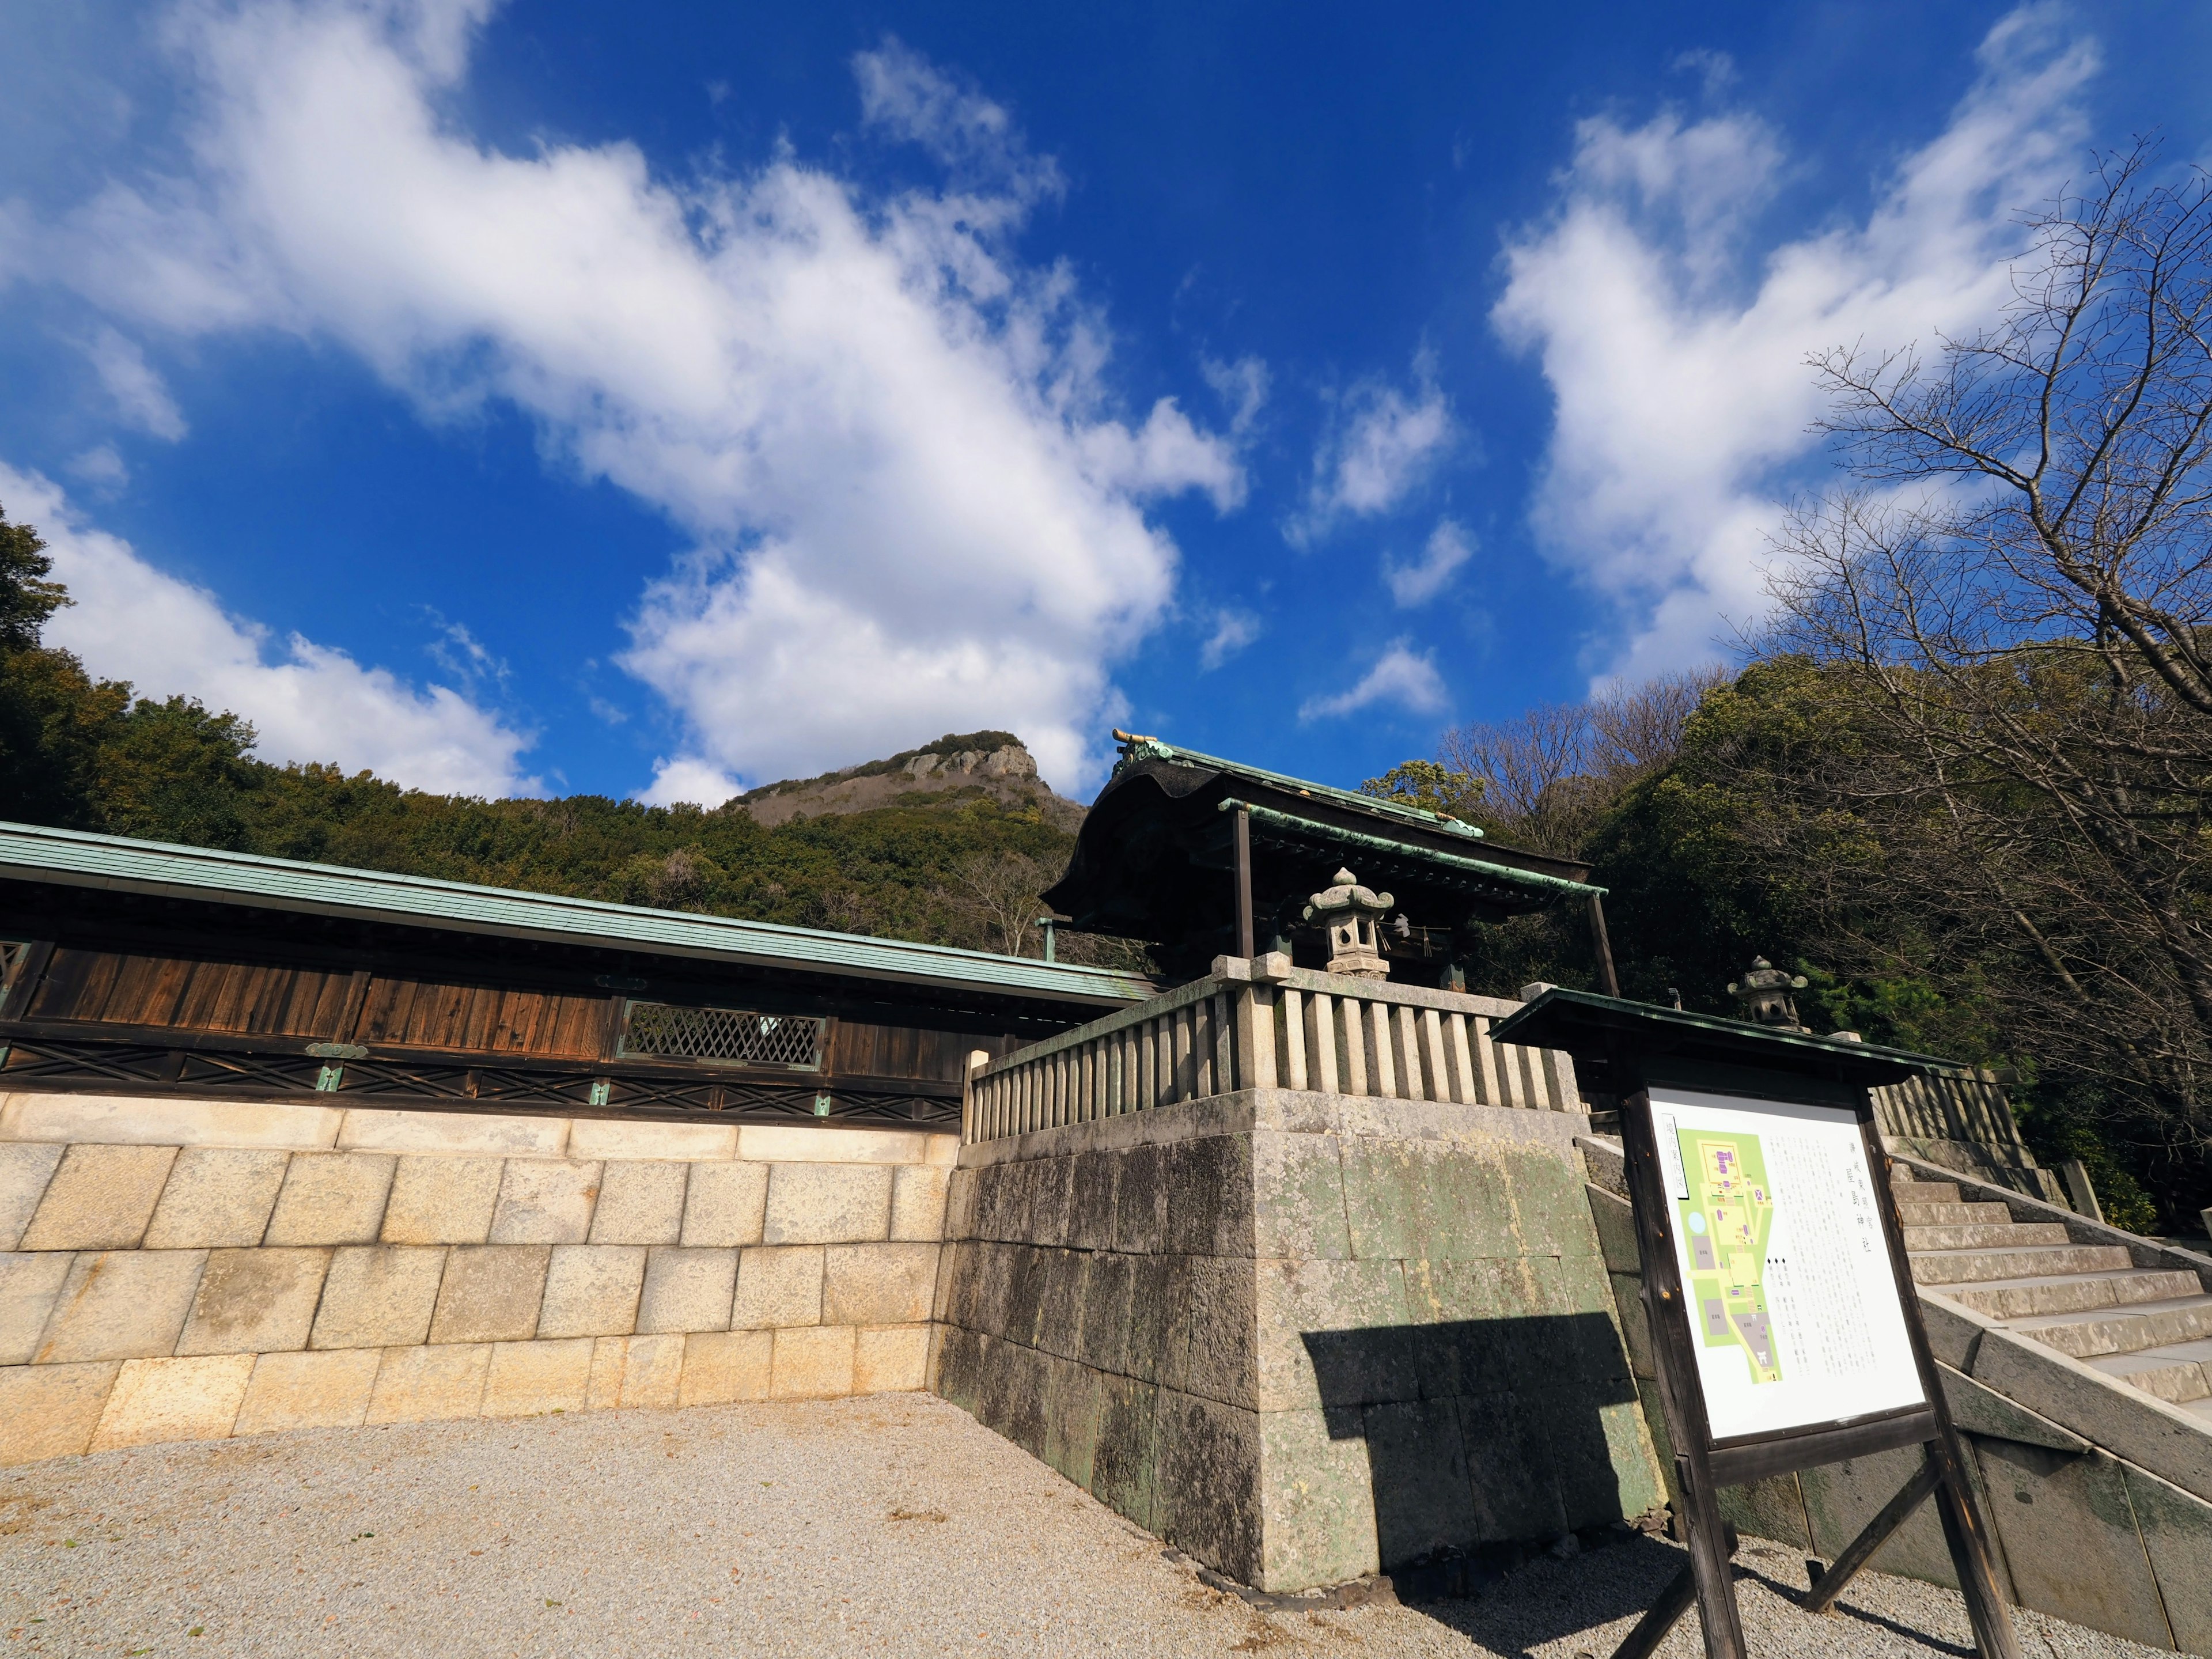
<point>960,866</point>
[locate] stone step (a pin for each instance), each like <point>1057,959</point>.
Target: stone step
<point>1912,1214</point>
<point>1966,1266</point>
<point>2123,1330</point>
<point>2201,1408</point>
<point>1925,1192</point>
<point>2023,1299</point>
<point>2177,1375</point>
<point>2003,1236</point>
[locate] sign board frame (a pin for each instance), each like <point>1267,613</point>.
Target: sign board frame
<point>1633,1051</point>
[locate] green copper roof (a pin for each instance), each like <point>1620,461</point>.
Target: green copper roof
<point>30,851</point>
<point>1153,749</point>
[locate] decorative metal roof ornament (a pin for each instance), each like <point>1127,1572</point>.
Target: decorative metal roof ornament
<point>1349,912</point>
<point>1763,995</point>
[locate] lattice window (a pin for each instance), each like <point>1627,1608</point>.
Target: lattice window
<point>723,1036</point>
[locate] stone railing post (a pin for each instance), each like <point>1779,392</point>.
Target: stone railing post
<point>977,1059</point>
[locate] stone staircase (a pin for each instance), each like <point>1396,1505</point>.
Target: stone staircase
<point>2149,1327</point>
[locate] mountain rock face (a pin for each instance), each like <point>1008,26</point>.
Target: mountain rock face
<point>951,771</point>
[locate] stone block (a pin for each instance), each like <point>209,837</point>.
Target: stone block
<point>687,1290</point>
<point>217,1198</point>
<point>592,1290</point>
<point>463,1132</point>
<point>1103,1343</point>
<point>781,1143</point>
<point>1210,1196</point>
<point>1124,1468</point>
<point>530,1379</point>
<point>2070,1539</point>
<point>442,1200</point>
<point>1220,1357</point>
<point>1635,1324</point>
<point>331,1198</point>
<point>1010,1401</point>
<point>143,1121</point>
<point>1840,1498</point>
<point>828,1204</point>
<point>1330,1334</point>
<point>1209,1482</point>
<point>308,1391</point>
<point>723,1366</point>
<point>121,1305</point>
<point>545,1201</point>
<point>1550,1215</point>
<point>918,1191</point>
<point>1424,1501</point>
<point>1386,1199</point>
<point>2177,1536</point>
<point>1773,1508</point>
<point>379,1296</point>
<point>1140,1201</point>
<point>778,1287</point>
<point>876,1284</point>
<point>940,1146</point>
<point>429,1384</point>
<point>609,1137</point>
<point>1317,1500</point>
<point>24,1172</point>
<point>1637,1486</point>
<point>156,1400</point>
<point>890,1359</point>
<point>635,1371</point>
<point>639,1204</point>
<point>1615,1222</point>
<point>51,1411</point>
<point>1070,1418</point>
<point>1474,1207</point>
<point>960,1202</point>
<point>1050,1197</point>
<point>1159,1301</point>
<point>1298,1198</point>
<point>1506,1440</point>
<point>491,1293</point>
<point>957,1366</point>
<point>2129,1423</point>
<point>29,1285</point>
<point>1090,1200</point>
<point>255,1301</point>
<point>99,1198</point>
<point>812,1362</point>
<point>725,1204</point>
<point>1060,1312</point>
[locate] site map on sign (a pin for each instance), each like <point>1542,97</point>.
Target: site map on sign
<point>1726,1219</point>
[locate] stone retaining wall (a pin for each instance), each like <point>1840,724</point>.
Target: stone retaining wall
<point>174,1269</point>
<point>1300,1336</point>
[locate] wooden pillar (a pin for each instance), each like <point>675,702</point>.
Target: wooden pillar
<point>1242,819</point>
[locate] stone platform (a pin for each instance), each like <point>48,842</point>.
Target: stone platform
<point>1303,1337</point>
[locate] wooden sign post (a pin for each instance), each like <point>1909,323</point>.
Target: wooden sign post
<point>1786,1328</point>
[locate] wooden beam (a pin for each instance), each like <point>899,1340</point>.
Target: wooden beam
<point>1242,819</point>
<point>1894,1514</point>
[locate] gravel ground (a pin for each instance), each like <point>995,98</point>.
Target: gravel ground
<point>894,1524</point>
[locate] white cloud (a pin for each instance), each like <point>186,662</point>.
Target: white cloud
<point>677,782</point>
<point>141,397</point>
<point>1243,386</point>
<point>1233,629</point>
<point>1448,547</point>
<point>1683,397</point>
<point>1382,445</point>
<point>306,702</point>
<point>915,506</point>
<point>1400,676</point>
<point>100,467</point>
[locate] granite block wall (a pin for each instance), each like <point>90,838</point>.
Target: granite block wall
<point>177,1269</point>
<point>1302,1337</point>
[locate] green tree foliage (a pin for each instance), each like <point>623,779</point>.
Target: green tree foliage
<point>1430,786</point>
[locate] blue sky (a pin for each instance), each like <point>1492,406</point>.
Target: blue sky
<point>664,400</point>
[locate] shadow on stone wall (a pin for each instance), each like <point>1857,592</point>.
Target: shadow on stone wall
<point>1485,1431</point>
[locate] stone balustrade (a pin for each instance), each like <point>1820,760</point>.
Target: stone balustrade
<point>1264,1024</point>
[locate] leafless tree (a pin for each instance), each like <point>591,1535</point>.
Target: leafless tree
<point>1548,774</point>
<point>2014,607</point>
<point>997,897</point>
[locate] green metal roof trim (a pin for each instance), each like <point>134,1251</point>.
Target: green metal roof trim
<point>83,859</point>
<point>1452,862</point>
<point>1153,749</point>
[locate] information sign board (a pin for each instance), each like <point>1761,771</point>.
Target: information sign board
<point>1786,1275</point>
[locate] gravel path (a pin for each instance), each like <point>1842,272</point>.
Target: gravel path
<point>886,1525</point>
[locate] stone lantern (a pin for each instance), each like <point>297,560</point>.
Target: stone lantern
<point>1348,912</point>
<point>1763,995</point>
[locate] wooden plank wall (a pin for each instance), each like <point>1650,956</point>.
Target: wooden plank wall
<point>253,999</point>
